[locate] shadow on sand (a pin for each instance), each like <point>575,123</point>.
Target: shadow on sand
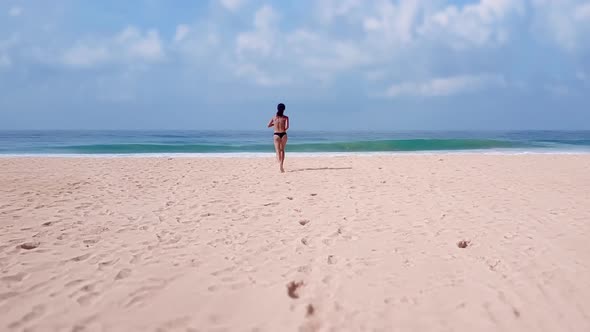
<point>320,169</point>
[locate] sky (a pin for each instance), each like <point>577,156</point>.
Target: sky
<point>336,64</point>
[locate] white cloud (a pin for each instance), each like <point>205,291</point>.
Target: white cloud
<point>15,11</point>
<point>256,48</point>
<point>375,75</point>
<point>481,24</point>
<point>446,86</point>
<point>129,45</point>
<point>232,5</point>
<point>260,77</point>
<point>335,56</point>
<point>6,47</point>
<point>394,22</point>
<point>396,30</point>
<point>328,10</point>
<point>377,40</point>
<point>269,56</point>
<point>5,61</point>
<point>565,23</point>
<point>558,90</point>
<point>267,52</point>
<point>182,30</point>
<point>260,41</point>
<point>146,46</point>
<point>265,18</point>
<point>193,43</point>
<point>399,23</point>
<point>582,12</point>
<point>86,56</point>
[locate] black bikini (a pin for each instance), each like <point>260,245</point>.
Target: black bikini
<point>281,134</point>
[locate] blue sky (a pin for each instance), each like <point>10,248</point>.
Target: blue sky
<point>337,64</point>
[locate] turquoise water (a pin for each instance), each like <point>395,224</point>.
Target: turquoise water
<point>223,142</point>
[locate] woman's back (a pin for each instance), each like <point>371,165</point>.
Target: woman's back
<point>280,124</point>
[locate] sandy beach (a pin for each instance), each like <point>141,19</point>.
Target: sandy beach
<point>334,244</point>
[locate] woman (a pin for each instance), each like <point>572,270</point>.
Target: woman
<point>280,123</point>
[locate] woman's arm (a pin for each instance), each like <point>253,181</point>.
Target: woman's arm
<point>271,123</point>
<point>286,123</point>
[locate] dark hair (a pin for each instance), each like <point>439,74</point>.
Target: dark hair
<point>280,109</point>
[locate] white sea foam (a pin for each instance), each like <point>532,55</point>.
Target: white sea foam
<point>308,154</point>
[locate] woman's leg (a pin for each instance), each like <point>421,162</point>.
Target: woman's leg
<point>277,141</point>
<point>283,144</point>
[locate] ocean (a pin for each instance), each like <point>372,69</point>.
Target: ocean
<point>253,143</point>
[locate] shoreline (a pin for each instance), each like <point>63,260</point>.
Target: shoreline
<point>247,155</point>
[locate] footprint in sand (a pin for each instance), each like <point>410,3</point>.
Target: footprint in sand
<point>136,258</point>
<point>102,265</point>
<point>14,278</point>
<point>516,312</point>
<point>90,241</point>
<point>124,273</point>
<point>492,266</point>
<point>332,260</point>
<point>139,296</point>
<point>88,288</point>
<point>175,324</point>
<point>80,258</point>
<point>293,289</point>
<point>174,239</point>
<point>87,298</point>
<point>7,295</point>
<point>73,283</point>
<point>304,222</point>
<point>29,245</point>
<point>304,269</point>
<point>36,312</point>
<point>463,244</point>
<point>79,328</point>
<point>310,310</point>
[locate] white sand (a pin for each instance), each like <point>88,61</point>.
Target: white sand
<point>211,244</point>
